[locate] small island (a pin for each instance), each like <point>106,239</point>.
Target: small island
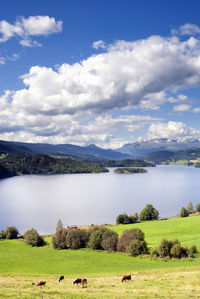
<point>130,170</point>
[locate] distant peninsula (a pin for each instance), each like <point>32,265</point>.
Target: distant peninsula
<point>21,164</point>
<point>130,170</point>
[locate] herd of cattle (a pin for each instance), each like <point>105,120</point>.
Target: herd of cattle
<point>81,281</point>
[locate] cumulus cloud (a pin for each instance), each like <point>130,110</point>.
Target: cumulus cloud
<point>181,108</point>
<point>172,130</point>
<point>60,104</point>
<point>24,28</point>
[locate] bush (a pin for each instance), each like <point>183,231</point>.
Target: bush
<point>2,234</point>
<point>128,236</point>
<point>76,238</point>
<point>109,240</point>
<point>137,247</point>
<point>102,238</point>
<point>133,218</point>
<point>184,212</point>
<point>149,213</point>
<point>177,251</point>
<point>70,238</point>
<point>32,237</point>
<point>192,250</point>
<point>198,207</point>
<point>165,247</point>
<point>122,219</point>
<point>11,232</point>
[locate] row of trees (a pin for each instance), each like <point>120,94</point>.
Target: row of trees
<point>185,212</point>
<point>148,213</point>
<point>101,238</point>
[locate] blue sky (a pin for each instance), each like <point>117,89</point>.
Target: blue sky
<point>104,72</point>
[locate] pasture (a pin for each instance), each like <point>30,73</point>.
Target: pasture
<point>21,265</point>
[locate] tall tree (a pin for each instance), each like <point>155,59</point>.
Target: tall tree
<point>59,224</point>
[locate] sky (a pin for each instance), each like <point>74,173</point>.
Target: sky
<point>99,72</point>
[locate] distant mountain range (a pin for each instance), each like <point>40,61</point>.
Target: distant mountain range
<point>91,152</point>
<point>155,150</point>
<point>139,149</point>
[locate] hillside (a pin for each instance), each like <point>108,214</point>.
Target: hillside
<point>90,152</point>
<point>139,149</point>
<point>18,164</point>
<point>127,163</point>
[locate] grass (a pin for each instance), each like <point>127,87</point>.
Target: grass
<point>186,230</point>
<point>21,265</point>
<point>155,284</point>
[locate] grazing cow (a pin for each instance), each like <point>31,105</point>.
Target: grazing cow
<point>61,278</point>
<point>77,281</point>
<point>41,283</point>
<point>126,277</point>
<point>83,281</point>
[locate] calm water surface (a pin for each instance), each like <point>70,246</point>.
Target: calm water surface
<point>39,201</point>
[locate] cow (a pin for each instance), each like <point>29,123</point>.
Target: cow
<point>77,281</point>
<point>61,278</point>
<point>83,281</point>
<point>41,283</point>
<point>126,277</point>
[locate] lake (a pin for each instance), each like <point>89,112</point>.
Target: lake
<point>81,199</point>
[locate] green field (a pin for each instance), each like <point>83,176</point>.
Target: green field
<point>21,265</point>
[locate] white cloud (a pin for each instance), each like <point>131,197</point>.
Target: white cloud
<point>172,130</point>
<point>186,29</point>
<point>181,108</point>
<point>196,110</point>
<point>26,27</point>
<point>98,44</point>
<point>59,105</point>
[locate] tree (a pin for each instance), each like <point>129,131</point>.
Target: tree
<point>190,208</point>
<point>133,218</point>
<point>109,240</point>
<point>32,237</point>
<point>149,213</point>
<point>198,207</point>
<point>137,247</point>
<point>184,212</point>
<point>11,232</point>
<point>122,219</point>
<point>128,236</point>
<point>59,224</point>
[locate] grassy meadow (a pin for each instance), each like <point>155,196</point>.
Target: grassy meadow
<point>21,265</point>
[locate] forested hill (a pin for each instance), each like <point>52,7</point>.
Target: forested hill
<point>167,156</point>
<point>90,152</point>
<point>18,164</point>
<point>128,163</point>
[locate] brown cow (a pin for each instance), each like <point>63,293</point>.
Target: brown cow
<point>126,277</point>
<point>83,281</point>
<point>41,283</point>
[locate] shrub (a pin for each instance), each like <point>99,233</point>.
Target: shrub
<point>70,238</point>
<point>165,247</point>
<point>190,208</point>
<point>122,219</point>
<point>11,232</point>
<point>76,238</point>
<point>32,237</point>
<point>128,236</point>
<point>133,218</point>
<point>96,237</point>
<point>184,212</point>
<point>198,207</point>
<point>109,240</point>
<point>192,250</point>
<point>149,213</point>
<point>59,239</point>
<point>2,234</point>
<point>177,251</point>
<point>137,247</point>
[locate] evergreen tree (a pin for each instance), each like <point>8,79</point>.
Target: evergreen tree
<point>59,225</point>
<point>190,208</point>
<point>184,212</point>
